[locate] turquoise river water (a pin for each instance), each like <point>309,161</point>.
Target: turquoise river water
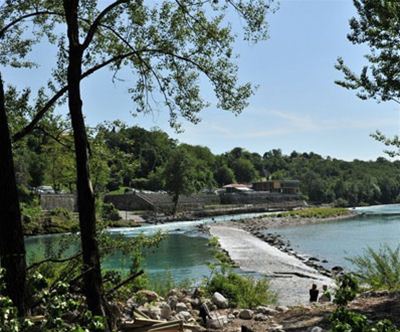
<point>338,240</point>
<point>184,252</point>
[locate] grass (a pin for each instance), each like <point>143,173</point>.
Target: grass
<point>317,212</point>
<point>165,282</point>
<point>379,269</point>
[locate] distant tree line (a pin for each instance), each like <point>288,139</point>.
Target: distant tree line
<point>133,157</point>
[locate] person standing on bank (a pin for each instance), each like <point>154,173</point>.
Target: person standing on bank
<point>314,293</point>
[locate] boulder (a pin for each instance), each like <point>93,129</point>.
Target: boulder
<point>220,301</point>
<point>315,329</point>
<point>266,310</point>
<point>260,317</point>
<point>147,295</point>
<point>217,323</point>
<point>282,308</point>
<point>246,314</point>
<point>172,301</point>
<point>184,315</point>
<point>155,313</point>
<point>165,310</point>
<point>180,306</point>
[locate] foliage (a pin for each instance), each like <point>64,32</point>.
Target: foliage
<point>345,320</point>
<point>57,303</point>
<point>109,212</point>
<point>347,289</point>
<point>241,291</point>
<point>319,212</point>
<point>164,282</point>
<point>376,25</point>
<point>37,221</point>
<point>379,269</point>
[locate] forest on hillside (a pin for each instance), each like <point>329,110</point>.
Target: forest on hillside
<point>133,157</point>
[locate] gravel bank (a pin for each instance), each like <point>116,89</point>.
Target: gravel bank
<point>290,278</point>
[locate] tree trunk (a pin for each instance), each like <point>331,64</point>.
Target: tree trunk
<point>12,246</point>
<point>93,287</point>
<point>175,200</point>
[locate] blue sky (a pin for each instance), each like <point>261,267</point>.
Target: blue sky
<point>297,106</point>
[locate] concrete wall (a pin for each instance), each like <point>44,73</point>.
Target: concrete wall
<point>53,201</point>
<point>156,201</point>
<point>163,202</point>
<point>128,202</point>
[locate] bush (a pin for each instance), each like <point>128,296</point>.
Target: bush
<point>345,320</point>
<point>380,269</point>
<point>341,202</point>
<point>241,291</point>
<point>109,212</point>
<point>61,212</point>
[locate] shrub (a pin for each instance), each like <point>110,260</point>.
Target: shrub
<point>345,320</point>
<point>61,212</point>
<point>380,269</point>
<point>241,291</point>
<point>109,212</point>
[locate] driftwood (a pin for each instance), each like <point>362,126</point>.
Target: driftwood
<point>142,323</point>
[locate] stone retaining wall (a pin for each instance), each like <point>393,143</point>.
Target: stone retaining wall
<point>54,201</point>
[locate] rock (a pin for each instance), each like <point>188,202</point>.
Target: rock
<point>184,315</point>
<point>173,292</point>
<point>276,327</point>
<point>316,329</point>
<point>165,310</point>
<point>220,301</point>
<point>231,317</point>
<point>217,323</point>
<point>282,308</point>
<point>147,295</point>
<point>155,313</point>
<point>246,314</point>
<point>313,259</point>
<point>180,306</point>
<point>194,303</point>
<point>172,301</point>
<point>266,310</point>
<point>235,312</point>
<point>260,317</point>
<point>337,269</point>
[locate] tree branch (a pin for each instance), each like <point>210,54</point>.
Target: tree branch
<point>124,282</point>
<point>97,22</point>
<point>23,17</point>
<point>39,115</point>
<point>53,260</point>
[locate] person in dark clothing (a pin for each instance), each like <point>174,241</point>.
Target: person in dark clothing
<point>204,312</point>
<point>314,293</point>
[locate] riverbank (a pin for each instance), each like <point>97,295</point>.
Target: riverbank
<point>287,220</point>
<point>289,277</point>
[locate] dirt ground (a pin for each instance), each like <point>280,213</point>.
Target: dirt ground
<point>375,305</point>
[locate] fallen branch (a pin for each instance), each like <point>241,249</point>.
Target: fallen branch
<point>124,282</point>
<point>53,260</point>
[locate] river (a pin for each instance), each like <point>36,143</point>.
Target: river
<point>183,253</point>
<point>335,241</point>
